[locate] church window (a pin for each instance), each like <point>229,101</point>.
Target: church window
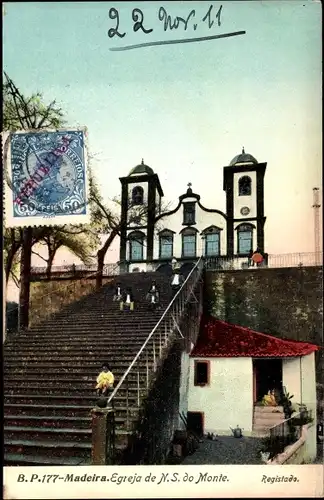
<point>137,195</point>
<point>212,241</point>
<point>166,244</point>
<point>244,239</point>
<point>136,245</point>
<point>245,186</point>
<point>189,242</point>
<point>189,213</point>
<point>201,375</point>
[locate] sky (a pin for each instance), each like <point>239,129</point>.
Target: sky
<point>187,109</point>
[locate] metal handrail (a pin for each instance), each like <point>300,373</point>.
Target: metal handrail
<point>152,333</point>
<point>294,415</point>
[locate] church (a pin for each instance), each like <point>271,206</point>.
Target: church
<point>150,237</point>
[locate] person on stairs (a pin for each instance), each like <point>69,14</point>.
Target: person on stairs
<point>105,380</point>
<point>127,300</point>
<point>118,293</point>
<point>153,296</point>
<point>177,280</point>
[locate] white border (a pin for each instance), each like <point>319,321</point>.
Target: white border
<point>242,481</point>
<point>9,219</point>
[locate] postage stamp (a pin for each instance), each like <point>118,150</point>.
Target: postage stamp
<point>46,180</point>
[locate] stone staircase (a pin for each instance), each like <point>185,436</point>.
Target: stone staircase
<point>265,417</point>
<point>51,369</point>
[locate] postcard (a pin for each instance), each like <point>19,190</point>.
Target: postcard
<point>162,208</point>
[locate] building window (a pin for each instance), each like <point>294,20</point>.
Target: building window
<point>137,195</point>
<point>166,244</point>
<point>244,239</point>
<point>189,213</point>
<point>189,242</point>
<point>245,186</point>
<point>136,246</point>
<point>211,236</point>
<point>202,373</point>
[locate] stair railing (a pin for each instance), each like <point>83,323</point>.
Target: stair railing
<point>147,360</point>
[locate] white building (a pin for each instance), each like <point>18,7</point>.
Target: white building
<point>231,368</point>
<point>191,229</point>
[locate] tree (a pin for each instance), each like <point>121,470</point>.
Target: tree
<point>12,241</point>
<point>81,242</point>
<point>20,112</point>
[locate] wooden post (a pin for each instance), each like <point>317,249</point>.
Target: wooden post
<point>25,268</point>
<point>4,291</point>
<point>103,432</point>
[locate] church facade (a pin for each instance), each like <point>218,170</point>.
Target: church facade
<point>151,237</point>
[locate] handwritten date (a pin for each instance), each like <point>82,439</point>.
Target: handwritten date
<point>169,23</point>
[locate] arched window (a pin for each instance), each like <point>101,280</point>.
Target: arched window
<point>245,186</point>
<point>244,238</point>
<point>166,244</point>
<point>136,245</point>
<point>211,236</point>
<point>137,195</point>
<point>189,213</point>
<point>189,242</point>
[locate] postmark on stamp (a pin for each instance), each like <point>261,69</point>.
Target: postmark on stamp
<point>46,178</point>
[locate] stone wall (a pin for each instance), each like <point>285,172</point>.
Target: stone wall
<point>160,414</point>
<point>49,296</point>
<point>284,302</point>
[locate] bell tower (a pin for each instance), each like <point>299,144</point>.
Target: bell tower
<point>244,187</point>
<point>140,201</point>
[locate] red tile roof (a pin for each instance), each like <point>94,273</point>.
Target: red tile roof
<point>218,339</point>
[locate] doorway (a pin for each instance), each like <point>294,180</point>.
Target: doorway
<point>195,422</point>
<point>267,375</point>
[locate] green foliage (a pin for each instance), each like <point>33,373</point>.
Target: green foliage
<point>23,113</point>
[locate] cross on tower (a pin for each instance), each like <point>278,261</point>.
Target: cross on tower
<point>189,184</point>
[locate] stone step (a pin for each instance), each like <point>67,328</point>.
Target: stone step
<point>45,399</point>
<point>68,391</point>
<point>66,358</point>
<point>86,351</point>
<point>259,434</point>
<point>35,433</point>
<point>43,460</point>
<point>118,367</point>
<point>50,421</point>
<point>63,449</point>
<point>71,378</point>
<point>267,409</point>
<point>128,332</point>
<point>53,435</point>
<point>93,330</point>
<point>267,423</point>
<point>102,311</point>
<point>44,411</point>
<point>269,416</point>
<point>71,385</point>
<point>55,421</point>
<point>64,372</point>
<point>99,340</point>
<point>108,342</point>
<point>262,427</point>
